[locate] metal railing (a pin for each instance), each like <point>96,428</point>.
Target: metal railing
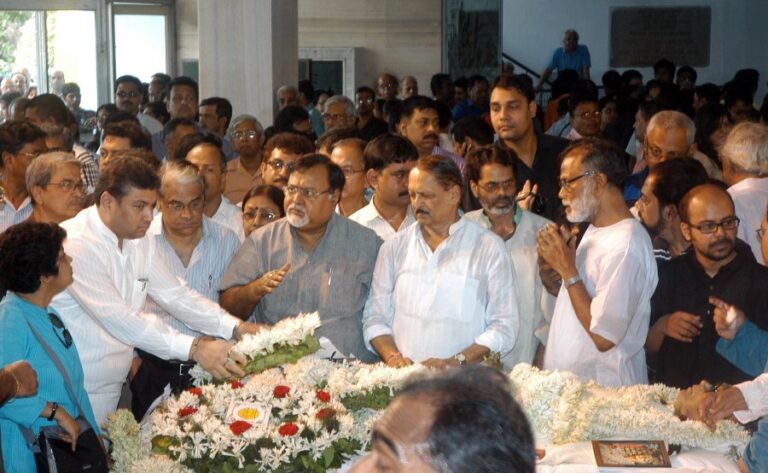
<point>543,94</point>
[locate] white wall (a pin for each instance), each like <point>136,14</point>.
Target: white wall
<point>532,29</point>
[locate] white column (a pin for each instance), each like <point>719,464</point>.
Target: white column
<point>248,49</point>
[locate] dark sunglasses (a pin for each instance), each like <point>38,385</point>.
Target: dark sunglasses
<point>57,323</point>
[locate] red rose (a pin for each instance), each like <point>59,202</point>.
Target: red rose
<point>323,396</point>
<point>325,413</point>
<point>288,429</point>
<point>196,391</point>
<point>281,391</point>
<point>236,384</point>
<point>187,411</point>
<point>239,426</point>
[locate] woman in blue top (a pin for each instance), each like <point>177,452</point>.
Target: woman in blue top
<point>33,269</point>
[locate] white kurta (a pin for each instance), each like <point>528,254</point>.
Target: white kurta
<point>535,303</point>
<point>617,266</point>
<point>750,197</point>
<point>435,304</point>
<point>104,307</point>
<point>231,216</point>
<point>369,217</point>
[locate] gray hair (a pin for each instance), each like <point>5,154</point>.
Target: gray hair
<point>180,172</point>
<point>245,118</point>
<point>40,171</point>
<point>572,32</point>
<point>671,120</point>
<point>746,147</point>
<point>286,88</point>
<point>350,107</point>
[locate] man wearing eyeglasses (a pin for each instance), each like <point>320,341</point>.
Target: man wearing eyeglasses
<point>585,115</point>
<point>370,126</point>
<point>491,176</point>
<point>197,250</point>
<point>600,321</point>
<point>314,260</point>
<point>280,153</point>
<point>244,172</point>
<point>348,155</point>
<point>338,112</point>
<point>718,265</point>
<point>20,143</point>
<point>128,98</point>
<point>56,188</point>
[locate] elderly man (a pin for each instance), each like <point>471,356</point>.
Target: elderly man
<point>571,56</point>
<point>491,176</point>
<point>601,315</point>
<point>338,112</point>
<point>128,98</point>
<point>420,124</point>
<point>386,86</point>
<point>204,151</point>
<point>57,190</point>
<point>280,153</point>
<point>719,265</point>
<point>287,95</point>
<point>348,155</point>
<point>115,268</point>
<point>244,172</point>
<point>312,260</point>
<point>459,421</point>
<point>670,135</point>
<point>388,160</point>
<point>197,250</point>
<point>443,290</point>
<point>20,143</point>
<point>409,87</point>
<point>745,170</point>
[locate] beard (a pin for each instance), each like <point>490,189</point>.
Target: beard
<point>583,207</point>
<point>720,249</point>
<point>500,206</point>
<point>297,221</point>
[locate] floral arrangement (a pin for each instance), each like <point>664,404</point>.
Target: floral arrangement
<point>563,409</point>
<point>312,415</point>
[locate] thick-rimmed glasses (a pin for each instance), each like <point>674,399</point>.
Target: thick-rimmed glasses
<point>708,227</point>
<point>307,193</point>
<point>566,183</point>
<point>68,185</point>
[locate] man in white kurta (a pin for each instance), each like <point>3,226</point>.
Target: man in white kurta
<point>602,312</point>
<point>441,298</point>
<point>114,271</point>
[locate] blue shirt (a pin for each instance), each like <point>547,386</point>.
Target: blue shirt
<point>468,108</point>
<point>17,342</point>
<point>576,60</point>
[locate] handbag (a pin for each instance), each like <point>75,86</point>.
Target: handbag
<point>53,455</point>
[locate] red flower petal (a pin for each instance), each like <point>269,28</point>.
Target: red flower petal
<point>281,391</point>
<point>236,384</point>
<point>196,391</point>
<point>323,396</point>
<point>239,426</point>
<point>288,429</point>
<point>325,413</point>
<point>187,411</point>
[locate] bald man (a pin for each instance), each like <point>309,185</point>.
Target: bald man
<point>682,332</point>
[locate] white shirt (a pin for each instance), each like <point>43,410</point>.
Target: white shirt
<point>755,392</point>
<point>750,197</point>
<point>617,266</point>
<point>370,217</point>
<point>10,215</point>
<point>151,124</point>
<point>435,304</point>
<point>536,305</point>
<point>231,216</point>
<point>104,307</point>
<point>210,260</point>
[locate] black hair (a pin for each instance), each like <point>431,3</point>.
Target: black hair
<point>223,107</point>
<point>365,88</point>
<point>476,424</point>
<point>675,177</point>
<point>336,178</point>
<point>128,78</point>
<point>307,89</point>
<point>49,106</point>
<point>393,109</point>
<point>109,107</point>
<point>665,64</point>
<point>517,82</point>
<point>288,116</point>
<point>611,80</point>
<point>734,91</point>
<point>418,102</point>
<point>159,110</point>
<point>14,134</point>
<point>630,74</point>
<point>273,193</point>
<point>28,251</point>
<point>708,119</point>
<point>119,175</point>
<point>174,123</point>
<point>196,139</point>
<point>120,116</point>
<point>293,143</point>
<point>479,157</point>
<point>602,156</point>
<point>474,127</point>
<point>183,80</point>
<point>70,88</point>
<point>437,81</point>
<point>689,70</point>
<point>387,149</point>
<point>136,134</point>
<point>709,92</point>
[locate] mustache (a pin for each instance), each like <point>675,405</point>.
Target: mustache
<point>421,211</point>
<point>403,194</point>
<point>431,135</point>
<point>298,207</point>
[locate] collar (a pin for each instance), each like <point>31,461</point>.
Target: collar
<point>487,220</point>
<point>156,227</point>
<point>101,228</point>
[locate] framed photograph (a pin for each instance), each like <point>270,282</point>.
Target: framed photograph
<point>631,453</point>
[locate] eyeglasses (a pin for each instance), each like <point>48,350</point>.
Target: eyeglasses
<point>278,164</point>
<point>58,324</point>
<point>348,171</point>
<point>184,98</point>
<point>307,193</point>
<point>586,115</point>
<point>658,152</point>
<point>68,185</point>
<point>364,100</point>
<point>335,116</point>
<point>193,206</point>
<point>248,135</point>
<point>260,215</point>
<point>566,183</point>
<point>123,94</point>
<point>707,227</point>
<point>493,187</point>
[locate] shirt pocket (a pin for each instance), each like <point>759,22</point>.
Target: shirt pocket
<point>341,288</point>
<point>457,297</point>
<point>139,292</point>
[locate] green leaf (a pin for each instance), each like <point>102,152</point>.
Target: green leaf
<point>328,456</point>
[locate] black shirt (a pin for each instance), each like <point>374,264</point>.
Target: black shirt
<point>373,128</point>
<point>683,285</point>
<point>545,172</point>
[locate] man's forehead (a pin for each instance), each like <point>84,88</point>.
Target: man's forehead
<point>127,85</point>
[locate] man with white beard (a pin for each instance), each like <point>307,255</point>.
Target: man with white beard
<point>312,260</point>
<point>603,308</point>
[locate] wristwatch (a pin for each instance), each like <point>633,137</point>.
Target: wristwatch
<point>460,359</point>
<point>54,408</point>
<point>571,281</point>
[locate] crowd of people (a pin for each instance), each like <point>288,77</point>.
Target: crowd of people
<point>617,233</point>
